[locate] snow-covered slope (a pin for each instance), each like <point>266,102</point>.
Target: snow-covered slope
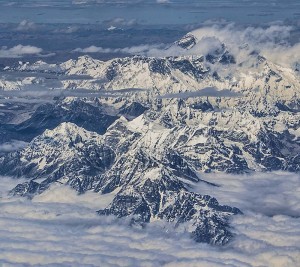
<point>148,189</point>
<point>263,84</point>
<point>68,154</point>
<point>186,139</point>
<point>154,160</point>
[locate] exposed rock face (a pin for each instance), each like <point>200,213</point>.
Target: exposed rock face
<point>49,116</point>
<point>187,42</point>
<point>67,154</point>
<point>148,188</point>
<point>159,195</point>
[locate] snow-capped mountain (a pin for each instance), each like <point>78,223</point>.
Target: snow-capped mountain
<point>152,162</point>
<point>148,188</point>
<point>187,42</point>
<point>67,154</point>
<point>264,86</point>
<point>90,115</point>
<point>149,147</point>
<point>205,139</point>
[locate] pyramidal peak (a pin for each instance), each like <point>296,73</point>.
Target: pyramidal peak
<point>69,130</point>
<point>187,42</point>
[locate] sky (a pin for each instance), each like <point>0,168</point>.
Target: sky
<point>59,30</point>
<point>148,12</point>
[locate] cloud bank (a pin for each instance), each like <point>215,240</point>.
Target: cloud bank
<point>209,92</point>
<point>12,146</point>
<point>26,25</point>
<point>61,228</point>
<point>19,51</point>
<point>140,49</point>
<point>272,42</point>
<point>270,194</point>
<point>38,94</point>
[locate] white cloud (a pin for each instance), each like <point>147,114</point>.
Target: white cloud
<point>162,1</point>
<point>267,41</point>
<point>281,54</point>
<point>122,22</point>
<point>12,146</point>
<point>41,95</point>
<point>26,25</point>
<point>93,49</point>
<point>141,49</point>
<point>270,42</point>
<point>269,194</point>
<point>66,195</point>
<point>62,229</point>
<point>208,91</point>
<point>19,51</point>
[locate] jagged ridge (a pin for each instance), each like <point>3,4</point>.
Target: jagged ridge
<point>147,188</point>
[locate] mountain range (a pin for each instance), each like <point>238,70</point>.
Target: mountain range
<point>161,123</point>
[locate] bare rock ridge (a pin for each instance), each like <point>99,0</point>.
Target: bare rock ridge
<point>148,189</point>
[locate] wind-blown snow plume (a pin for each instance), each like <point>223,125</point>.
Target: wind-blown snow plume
<point>270,42</point>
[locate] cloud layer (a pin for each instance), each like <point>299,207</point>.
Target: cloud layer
<point>19,51</point>
<point>140,49</point>
<point>270,194</point>
<point>61,228</point>
<point>36,93</point>
<point>208,91</point>
<point>12,146</point>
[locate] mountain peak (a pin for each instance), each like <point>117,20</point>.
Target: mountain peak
<point>187,42</point>
<point>70,131</point>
